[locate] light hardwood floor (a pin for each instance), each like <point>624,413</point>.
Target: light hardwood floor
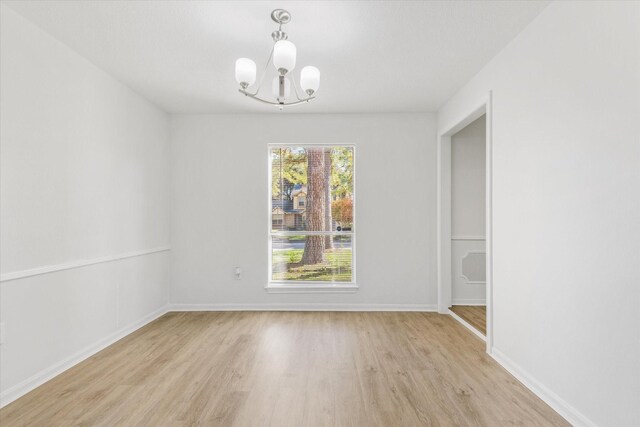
<point>475,315</point>
<point>287,369</point>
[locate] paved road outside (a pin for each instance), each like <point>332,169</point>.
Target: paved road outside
<point>283,244</point>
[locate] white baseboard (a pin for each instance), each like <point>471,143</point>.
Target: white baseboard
<point>45,375</point>
<point>304,307</point>
<point>468,326</point>
<point>469,301</point>
<point>571,414</point>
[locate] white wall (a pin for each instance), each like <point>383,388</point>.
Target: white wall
<point>468,180</point>
<point>566,206</point>
<point>220,206</point>
<point>84,175</point>
<point>468,176</point>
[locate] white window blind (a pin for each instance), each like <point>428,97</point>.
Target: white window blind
<point>312,241</point>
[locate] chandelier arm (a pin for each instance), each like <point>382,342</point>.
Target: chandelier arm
<point>254,96</point>
<point>295,89</point>
<point>266,67</point>
<point>275,104</point>
<point>264,73</point>
<point>302,101</point>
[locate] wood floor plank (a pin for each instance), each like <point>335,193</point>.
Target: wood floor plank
<point>475,315</point>
<point>287,369</point>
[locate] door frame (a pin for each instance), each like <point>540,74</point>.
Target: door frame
<point>444,209</point>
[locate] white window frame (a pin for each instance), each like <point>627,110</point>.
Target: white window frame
<point>287,286</point>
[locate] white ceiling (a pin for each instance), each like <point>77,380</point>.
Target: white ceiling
<point>386,56</point>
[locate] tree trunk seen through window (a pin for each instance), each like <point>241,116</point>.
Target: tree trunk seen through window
<point>317,189</point>
<point>328,220</point>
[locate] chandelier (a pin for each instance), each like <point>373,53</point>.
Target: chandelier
<point>283,57</point>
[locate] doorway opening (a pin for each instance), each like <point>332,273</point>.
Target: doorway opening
<point>464,221</point>
<point>468,207</point>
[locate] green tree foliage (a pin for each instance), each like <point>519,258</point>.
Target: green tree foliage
<point>289,167</point>
<point>342,173</point>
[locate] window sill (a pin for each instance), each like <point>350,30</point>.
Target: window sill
<point>311,288</point>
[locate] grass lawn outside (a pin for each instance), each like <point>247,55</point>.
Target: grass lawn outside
<point>335,268</point>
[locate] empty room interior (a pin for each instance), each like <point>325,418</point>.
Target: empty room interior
<point>319,213</point>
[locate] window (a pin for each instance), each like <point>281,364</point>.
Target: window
<point>315,247</point>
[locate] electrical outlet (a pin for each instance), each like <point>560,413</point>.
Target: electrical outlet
<point>2,333</point>
<point>238,273</point>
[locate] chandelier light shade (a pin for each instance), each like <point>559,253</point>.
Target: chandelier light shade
<point>245,72</point>
<point>283,58</point>
<point>310,79</point>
